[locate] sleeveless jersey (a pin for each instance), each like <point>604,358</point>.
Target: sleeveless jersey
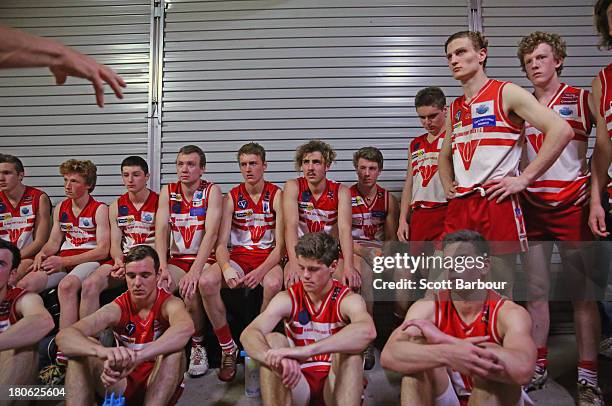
<point>485,143</point>
<point>79,231</point>
<point>253,224</point>
<point>17,223</point>
<point>137,225</point>
<point>133,332</point>
<point>369,220</point>
<point>427,189</point>
<point>306,325</point>
<point>567,178</point>
<point>187,219</point>
<point>448,321</point>
<point>317,214</point>
<point>605,109</point>
<point>8,314</point>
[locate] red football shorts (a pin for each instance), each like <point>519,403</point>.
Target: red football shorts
<point>568,223</point>
<point>426,225</point>
<point>185,262</point>
<point>316,377</point>
<point>137,386</point>
<point>497,222</point>
<point>248,260</point>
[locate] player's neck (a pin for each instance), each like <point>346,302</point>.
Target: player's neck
<point>431,138</point>
<point>317,298</point>
<point>81,202</point>
<point>255,189</point>
<point>318,188</point>
<point>15,194</point>
<point>139,198</point>
<point>189,189</point>
<point>546,91</point>
<point>144,304</point>
<point>472,86</point>
<point>468,303</point>
<point>369,192</point>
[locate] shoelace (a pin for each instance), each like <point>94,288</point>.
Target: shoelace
<point>197,355</point>
<point>228,360</point>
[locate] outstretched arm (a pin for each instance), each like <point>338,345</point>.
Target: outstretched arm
<point>19,49</point>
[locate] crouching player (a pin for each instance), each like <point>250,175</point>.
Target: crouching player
<point>152,327</point>
<point>327,327</point>
<point>466,346</point>
<point>24,321</point>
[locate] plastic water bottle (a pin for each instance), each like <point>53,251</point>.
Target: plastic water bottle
<point>112,401</point>
<point>251,376</point>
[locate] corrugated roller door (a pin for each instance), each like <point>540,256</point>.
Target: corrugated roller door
<point>505,22</point>
<point>46,124</point>
<point>282,72</point>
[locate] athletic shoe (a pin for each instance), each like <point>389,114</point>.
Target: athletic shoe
<point>52,374</point>
<point>227,372</point>
<point>369,358</point>
<point>538,380</point>
<point>589,395</point>
<point>198,360</point>
<point>605,347</point>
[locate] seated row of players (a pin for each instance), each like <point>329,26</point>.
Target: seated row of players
<point>187,215</point>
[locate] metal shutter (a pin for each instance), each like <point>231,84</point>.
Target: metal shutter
<point>505,22</point>
<point>45,124</point>
<point>282,72</point>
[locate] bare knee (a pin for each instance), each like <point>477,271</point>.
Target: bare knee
<point>70,285</point>
<point>32,282</point>
<point>92,286</point>
<point>272,286</point>
<point>209,283</point>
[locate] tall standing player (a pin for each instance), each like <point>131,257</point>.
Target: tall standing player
<point>482,149</point>
<point>252,222</point>
<point>314,203</point>
<point>555,211</point>
<point>188,215</point>
<point>132,223</point>
<point>25,214</point>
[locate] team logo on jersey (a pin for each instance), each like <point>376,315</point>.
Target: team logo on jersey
<point>176,208</point>
<point>257,232</point>
<point>483,114</point>
<point>303,317</point>
<point>242,203</point>
<point>2,207</point>
<point>467,150</point>
<point>124,210</point>
<point>427,173</point>
<point>197,211</point>
<point>26,210</point>
<point>265,206</point>
<point>306,195</point>
<point>330,195</point>
<point>567,110</point>
<point>124,221</point>
<point>65,226</point>
<point>198,195</point>
<point>416,145</point>
<point>130,328</point>
<point>458,115</point>
<point>147,217</point>
<point>64,216</point>
<point>357,201</point>
<point>5,216</point>
<point>86,222</point>
<point>536,141</point>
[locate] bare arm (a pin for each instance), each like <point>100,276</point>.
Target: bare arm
<point>445,160</point>
<point>162,230</point>
<point>20,49</point>
<point>175,337</point>
<point>116,236</point>
<point>405,203</point>
<point>42,227</point>
<point>213,219</point>
<point>290,211</point>
<point>391,222</point>
<point>34,325</point>
<point>253,338</point>
<point>345,211</point>
<point>221,252</point>
<point>518,352</point>
<point>52,246</point>
<point>102,241</point>
<point>74,341</point>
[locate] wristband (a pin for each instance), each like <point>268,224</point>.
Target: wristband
<point>229,273</point>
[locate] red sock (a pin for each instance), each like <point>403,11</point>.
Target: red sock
<point>224,335</point>
<point>542,360</point>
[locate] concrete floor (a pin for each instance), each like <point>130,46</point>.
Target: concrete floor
<point>383,387</point>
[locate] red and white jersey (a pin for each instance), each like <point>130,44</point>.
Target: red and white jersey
<point>8,313</point>
<point>427,189</point>
<point>317,214</point>
<point>187,219</point>
<point>253,224</point>
<point>79,231</point>
<point>17,223</point>
<point>369,220</point>
<point>485,143</point>
<point>133,332</point>
<point>307,325</point>
<point>485,324</point>
<point>605,109</point>
<point>566,180</point>
<point>137,225</point>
